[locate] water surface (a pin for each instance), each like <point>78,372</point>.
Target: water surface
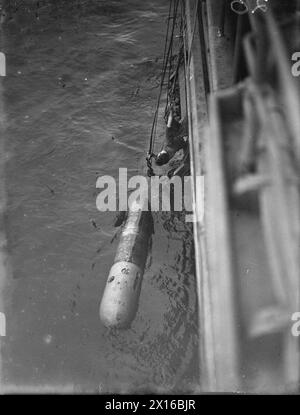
<point>78,75</point>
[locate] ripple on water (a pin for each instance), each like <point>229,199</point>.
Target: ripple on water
<point>100,65</point>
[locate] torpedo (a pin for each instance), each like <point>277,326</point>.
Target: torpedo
<point>122,291</point>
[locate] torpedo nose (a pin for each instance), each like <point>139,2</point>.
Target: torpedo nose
<point>120,299</point>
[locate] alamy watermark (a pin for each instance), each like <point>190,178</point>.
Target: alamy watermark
<point>2,64</point>
<point>2,325</point>
<point>296,66</point>
<point>296,326</point>
<point>158,193</point>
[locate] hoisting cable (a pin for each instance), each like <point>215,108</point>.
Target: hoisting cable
<point>187,49</point>
<point>166,56</point>
<point>182,32</point>
<point>193,35</point>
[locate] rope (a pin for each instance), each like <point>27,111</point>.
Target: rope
<point>166,59</point>
<point>193,33</point>
<point>161,82</point>
<point>183,29</point>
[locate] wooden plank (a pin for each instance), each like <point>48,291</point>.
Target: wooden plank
<point>218,352</point>
<point>220,47</point>
<point>220,266</point>
<point>197,111</point>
